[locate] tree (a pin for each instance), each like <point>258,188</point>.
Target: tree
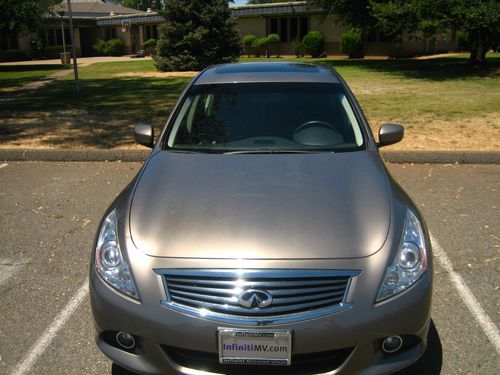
<point>268,1</point>
<point>478,19</point>
<point>140,4</point>
<point>354,13</point>
<point>248,41</point>
<point>195,34</point>
<point>23,15</point>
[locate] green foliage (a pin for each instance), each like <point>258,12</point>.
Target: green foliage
<point>23,15</point>
<point>150,43</point>
<point>463,40</point>
<point>262,45</point>
<point>100,46</point>
<point>150,46</point>
<point>313,43</point>
<point>196,34</point>
<point>256,49</point>
<point>273,41</point>
<point>113,47</point>
<point>248,41</point>
<point>479,19</point>
<point>298,48</point>
<point>273,38</point>
<point>264,1</point>
<point>13,55</point>
<point>355,13</point>
<point>351,43</point>
<point>138,4</point>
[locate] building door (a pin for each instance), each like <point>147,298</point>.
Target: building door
<point>135,43</point>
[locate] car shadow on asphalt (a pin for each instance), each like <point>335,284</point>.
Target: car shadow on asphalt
<point>432,360</point>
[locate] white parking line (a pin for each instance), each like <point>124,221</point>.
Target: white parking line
<point>489,328</point>
<point>44,341</point>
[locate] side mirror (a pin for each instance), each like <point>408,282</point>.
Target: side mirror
<point>390,134</point>
<point>144,135</point>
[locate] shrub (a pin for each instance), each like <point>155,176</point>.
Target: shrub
<point>150,46</point>
<point>248,42</point>
<point>100,46</point>
<point>115,47</point>
<point>256,47</point>
<point>351,43</point>
<point>273,41</point>
<point>313,43</point>
<point>196,34</point>
<point>298,48</point>
<point>13,55</point>
<point>263,44</point>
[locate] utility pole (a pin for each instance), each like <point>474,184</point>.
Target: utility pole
<point>73,50</point>
<point>61,14</point>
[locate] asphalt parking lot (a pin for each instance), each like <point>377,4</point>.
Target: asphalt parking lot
<point>50,211</point>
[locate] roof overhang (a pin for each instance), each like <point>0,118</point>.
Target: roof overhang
<point>285,8</point>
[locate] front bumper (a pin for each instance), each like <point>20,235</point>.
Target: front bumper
<point>358,329</point>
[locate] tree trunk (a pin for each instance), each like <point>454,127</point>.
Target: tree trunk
<point>478,50</point>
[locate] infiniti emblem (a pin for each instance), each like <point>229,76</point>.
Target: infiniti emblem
<point>254,298</point>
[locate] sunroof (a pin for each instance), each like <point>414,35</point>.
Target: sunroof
<point>266,68</point>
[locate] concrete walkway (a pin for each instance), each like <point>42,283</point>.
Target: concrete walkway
<point>82,61</point>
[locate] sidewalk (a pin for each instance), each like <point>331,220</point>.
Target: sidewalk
<point>82,61</point>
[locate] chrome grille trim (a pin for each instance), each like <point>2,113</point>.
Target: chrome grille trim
<point>297,294</point>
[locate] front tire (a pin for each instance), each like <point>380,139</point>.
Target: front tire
<point>118,370</point>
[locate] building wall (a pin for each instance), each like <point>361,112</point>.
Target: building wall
<point>332,29</point>
<point>251,25</point>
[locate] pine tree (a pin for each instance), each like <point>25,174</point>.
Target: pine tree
<point>196,34</point>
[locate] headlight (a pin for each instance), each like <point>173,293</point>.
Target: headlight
<point>410,262</point>
<point>109,261</point>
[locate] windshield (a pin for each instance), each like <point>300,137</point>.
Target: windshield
<point>265,117</point>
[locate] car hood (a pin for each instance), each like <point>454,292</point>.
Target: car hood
<point>261,206</point>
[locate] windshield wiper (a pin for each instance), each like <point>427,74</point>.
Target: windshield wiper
<point>274,152</point>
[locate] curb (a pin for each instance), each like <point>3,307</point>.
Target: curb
<point>397,157</point>
<point>442,157</point>
<point>74,155</point>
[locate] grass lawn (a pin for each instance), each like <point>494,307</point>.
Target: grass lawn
<point>443,103</point>
<point>13,76</point>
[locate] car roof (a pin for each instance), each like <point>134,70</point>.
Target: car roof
<point>267,72</point>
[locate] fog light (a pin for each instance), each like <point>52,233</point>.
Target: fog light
<point>126,340</point>
<point>392,344</point>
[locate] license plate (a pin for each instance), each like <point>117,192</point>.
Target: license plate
<point>255,347</point>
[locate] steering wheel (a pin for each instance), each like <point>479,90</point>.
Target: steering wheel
<point>315,123</point>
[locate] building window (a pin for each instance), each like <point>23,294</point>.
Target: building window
<point>110,33</point>
<point>288,28</point>
<point>284,30</point>
<point>51,37</point>
<point>304,26</point>
<point>150,32</point>
<point>273,26</point>
<point>294,28</point>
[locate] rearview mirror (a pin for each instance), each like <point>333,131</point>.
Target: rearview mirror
<point>144,135</point>
<point>390,134</point>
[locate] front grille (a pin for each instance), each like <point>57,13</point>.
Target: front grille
<point>296,294</point>
<point>310,363</point>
